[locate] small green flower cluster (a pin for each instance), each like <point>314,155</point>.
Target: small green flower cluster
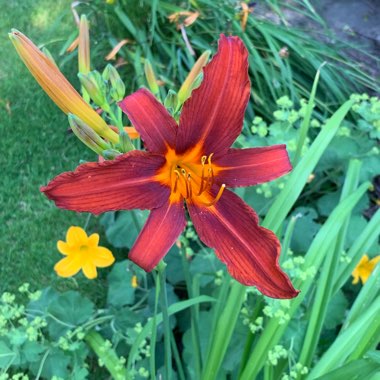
<point>16,376</point>
<point>294,373</point>
<point>368,108</point>
<point>186,238</point>
<point>296,268</point>
<point>278,352</point>
<point>277,309</point>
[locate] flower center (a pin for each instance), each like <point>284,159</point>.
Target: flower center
<point>83,248</point>
<point>192,180</point>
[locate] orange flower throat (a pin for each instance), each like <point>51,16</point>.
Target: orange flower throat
<point>191,176</point>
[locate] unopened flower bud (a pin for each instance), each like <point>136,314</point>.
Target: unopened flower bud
<point>95,86</point>
<point>117,85</point>
<point>57,86</point>
<point>84,46</point>
<point>193,79</point>
<point>87,135</point>
<point>125,143</point>
<point>110,154</point>
<point>150,77</point>
<point>171,101</point>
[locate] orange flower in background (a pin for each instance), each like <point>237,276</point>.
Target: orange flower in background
<point>183,18</point>
<point>364,269</point>
<point>82,253</point>
<point>54,83</point>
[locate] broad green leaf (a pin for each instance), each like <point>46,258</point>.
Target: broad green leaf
<point>120,291</point>
<point>123,227</point>
<point>67,311</point>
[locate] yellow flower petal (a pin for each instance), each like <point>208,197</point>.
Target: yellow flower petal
<point>76,236</point>
<point>63,248</point>
<point>364,269</point>
<point>102,257</point>
<point>89,270</point>
<point>57,86</point>
<point>68,267</point>
<point>93,240</point>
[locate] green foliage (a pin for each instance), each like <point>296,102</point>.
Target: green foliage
<point>208,326</point>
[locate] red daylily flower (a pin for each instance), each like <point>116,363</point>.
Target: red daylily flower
<point>192,162</point>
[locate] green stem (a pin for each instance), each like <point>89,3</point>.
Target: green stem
<point>153,339</point>
<point>87,221</point>
<point>177,358</point>
<point>224,329</point>
<point>194,319</point>
<point>166,321</point>
<point>250,337</point>
<point>107,356</point>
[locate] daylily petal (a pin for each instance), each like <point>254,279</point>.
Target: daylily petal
<point>125,183</point>
<point>89,270</point>
<point>150,118</point>
<point>68,267</point>
<point>102,257</point>
<point>249,251</point>
<point>160,232</point>
<point>213,116</point>
<point>247,167</point>
<point>76,236</point>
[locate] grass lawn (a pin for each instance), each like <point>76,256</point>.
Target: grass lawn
<point>35,146</point>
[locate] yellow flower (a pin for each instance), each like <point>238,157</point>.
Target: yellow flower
<point>82,252</point>
<point>364,269</point>
<point>58,87</point>
<point>134,282</point>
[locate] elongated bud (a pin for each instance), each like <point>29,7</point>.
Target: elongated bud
<point>125,143</point>
<point>84,46</point>
<point>190,82</point>
<point>57,86</point>
<point>150,77</point>
<point>87,135</point>
<point>117,85</point>
<point>95,86</point>
<point>171,101</point>
<point>110,154</point>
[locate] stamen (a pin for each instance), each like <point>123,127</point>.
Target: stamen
<point>190,188</point>
<point>184,174</point>
<point>203,161</point>
<point>176,181</point>
<point>220,192</point>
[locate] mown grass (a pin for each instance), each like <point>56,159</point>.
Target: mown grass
<point>35,146</point>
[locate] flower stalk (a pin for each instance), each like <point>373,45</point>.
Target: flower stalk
<point>166,321</point>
